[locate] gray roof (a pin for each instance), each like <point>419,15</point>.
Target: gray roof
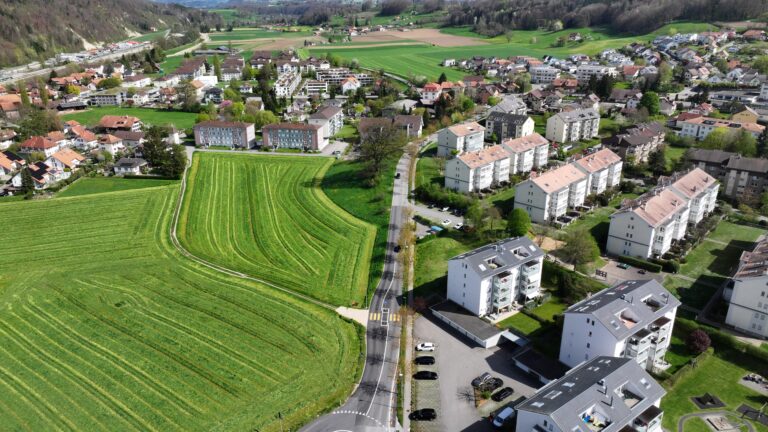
<point>710,156</point>
<point>326,112</point>
<point>756,165</point>
<point>515,119</point>
<point>131,162</point>
<point>509,103</point>
<point>578,115</point>
<point>472,324</point>
<point>627,307</point>
<point>498,257</point>
<point>608,385</point>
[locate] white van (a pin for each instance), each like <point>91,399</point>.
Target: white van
<point>503,416</point>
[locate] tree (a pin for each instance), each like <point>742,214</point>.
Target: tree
<point>762,144</point>
<point>380,146</point>
<point>263,118</point>
<point>189,98</point>
<point>108,83</point>
<point>23,95</point>
<point>716,140</point>
<point>743,143</point>
<point>657,161</point>
<point>27,184</point>
<point>155,150</point>
<point>44,96</point>
<point>442,78</point>
<point>518,223</point>
<point>176,161</point>
<point>72,89</point>
<point>605,86</point>
<point>217,67</point>
<point>523,82</point>
<point>698,341</point>
<point>650,101</point>
<point>761,64</point>
<point>508,36</point>
<point>476,216</point>
<point>764,204</point>
<point>580,247</point>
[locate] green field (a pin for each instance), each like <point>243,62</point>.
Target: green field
<point>91,117</point>
<point>266,216</point>
<point>105,327</point>
<point>241,34</point>
<point>88,186</point>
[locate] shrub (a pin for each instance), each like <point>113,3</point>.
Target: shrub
<point>698,341</point>
<point>571,286</point>
<point>639,263</point>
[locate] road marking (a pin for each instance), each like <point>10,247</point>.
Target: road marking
<point>374,316</point>
<point>386,343</point>
<point>385,317</point>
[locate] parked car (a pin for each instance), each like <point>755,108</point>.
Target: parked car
<point>423,414</point>
<point>502,394</point>
<point>622,266</point>
<point>505,414</point>
<point>491,385</point>
<point>397,175</point>
<point>425,375</point>
<point>481,379</point>
<point>397,248</point>
<point>424,360</point>
<point>425,346</point>
<point>445,209</point>
<point>445,222</point>
<point>337,152</point>
<point>458,226</point>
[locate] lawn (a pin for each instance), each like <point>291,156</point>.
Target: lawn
<point>106,327</point>
<point>429,169</point>
<point>348,132</point>
<point>241,34</point>
<point>91,117</point>
<point>598,221</point>
<point>521,323</point>
<point>430,268</point>
<point>88,186</point>
<point>693,294</point>
<point>343,184</point>
<point>267,216</point>
<point>712,257</point>
<point>673,154</point>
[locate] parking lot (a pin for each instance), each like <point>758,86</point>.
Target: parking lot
<point>617,274</point>
<point>458,361</point>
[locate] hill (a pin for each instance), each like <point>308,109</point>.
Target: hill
<point>38,29</point>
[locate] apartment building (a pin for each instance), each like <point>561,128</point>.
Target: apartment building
<point>335,76</point>
<point>494,277</point>
<point>457,139</point>
<point>225,134</point>
<point>505,125</point>
<point>632,319</point>
<point>543,74</point>
<point>526,153</point>
<point>286,84</point>
<point>605,394</point>
<point>742,177</point>
<point>586,71</point>
<point>700,127</point>
<point>603,170</point>
<point>568,126</point>
<point>330,118</point>
<point>636,143</point>
<point>548,196</point>
<point>477,170</point>
<point>110,97</point>
<point>510,104</point>
<point>191,68</point>
<point>315,88</point>
<point>764,91</point>
<point>647,226</point>
<point>294,136</point>
<point>747,292</point>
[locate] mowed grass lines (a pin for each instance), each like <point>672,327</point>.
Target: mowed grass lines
<point>266,216</point>
<point>105,327</point>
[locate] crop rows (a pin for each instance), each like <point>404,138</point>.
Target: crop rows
<point>104,327</point>
<point>267,217</point>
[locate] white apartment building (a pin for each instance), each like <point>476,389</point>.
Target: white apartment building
<point>605,394</point>
<point>527,153</point>
<point>568,126</point>
<point>225,134</point>
<point>747,292</point>
<point>632,319</point>
<point>700,127</point>
<point>648,225</point>
<point>544,74</point>
<point>492,278</point>
<point>548,196</point>
<point>286,84</point>
<point>110,97</point>
<point>603,170</point>
<point>585,71</point>
<point>315,87</point>
<point>330,118</point>
<point>457,139</point>
<point>337,75</point>
<point>477,170</point>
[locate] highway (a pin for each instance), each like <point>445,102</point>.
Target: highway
<point>371,407</point>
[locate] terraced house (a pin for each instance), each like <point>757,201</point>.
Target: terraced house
<point>632,319</point>
<point>647,226</point>
<point>549,196</point>
<point>605,394</point>
<point>477,170</point>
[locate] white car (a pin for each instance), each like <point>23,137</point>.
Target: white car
<point>446,222</point>
<point>425,346</point>
<point>445,209</point>
<point>458,226</point>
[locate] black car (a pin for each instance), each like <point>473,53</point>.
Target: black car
<point>397,248</point>
<point>477,382</point>
<point>423,414</point>
<point>424,360</point>
<point>425,375</point>
<point>502,394</point>
<point>491,385</point>
<point>397,176</point>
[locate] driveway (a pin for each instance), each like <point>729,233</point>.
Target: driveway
<point>434,214</point>
<point>617,274</point>
<point>458,361</point>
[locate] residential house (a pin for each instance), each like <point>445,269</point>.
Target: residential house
<point>191,68</point>
<point>579,124</point>
<point>746,115</point>
<point>66,160</point>
<point>743,178</point>
<point>700,127</point>
<point>130,139</point>
<point>503,126</point>
<point>430,93</point>
<point>286,84</point>
<point>456,139</point>
<point>130,166</point>
<point>631,319</point>
<point>543,74</point>
<point>474,171</point>
<point>494,277</point>
<point>350,84</point>
<point>137,81</point>
<point>509,104</point>
<point>82,138</point>
<point>747,292</point>
<point>110,97</point>
<point>585,71</point>
<point>42,175</point>
<point>636,143</point>
<point>111,144</point>
<point>112,123</point>
<point>232,68</point>
<point>7,137</point>
<point>630,98</point>
<point>315,87</point>
<point>293,136</point>
<point>44,145</point>
<point>603,170</point>
<point>412,125</point>
<point>527,153</point>
<point>604,394</point>
<point>225,134</point>
<point>548,196</point>
<point>331,119</point>
<point>10,163</point>
<point>543,100</point>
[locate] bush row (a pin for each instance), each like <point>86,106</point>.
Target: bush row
<point>672,379</point>
<point>723,340</point>
<point>149,177</point>
<point>639,263</point>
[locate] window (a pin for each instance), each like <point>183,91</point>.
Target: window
<point>588,345</point>
<point>590,334</point>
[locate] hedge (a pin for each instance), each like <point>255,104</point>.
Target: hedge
<point>639,263</point>
<point>672,379</point>
<point>721,339</point>
<point>149,177</point>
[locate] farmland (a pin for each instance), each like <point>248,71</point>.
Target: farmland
<point>88,186</point>
<point>241,34</point>
<point>266,216</point>
<point>91,117</point>
<point>106,327</point>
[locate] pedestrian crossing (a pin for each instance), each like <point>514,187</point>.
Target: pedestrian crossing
<point>386,316</point>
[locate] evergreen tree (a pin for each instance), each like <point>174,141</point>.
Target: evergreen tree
<point>25,102</point>
<point>443,78</point>
<point>27,184</point>
<point>651,102</point>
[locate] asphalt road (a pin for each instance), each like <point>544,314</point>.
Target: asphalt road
<point>371,407</point>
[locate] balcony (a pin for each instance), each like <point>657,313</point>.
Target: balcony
<point>529,268</point>
<point>648,420</point>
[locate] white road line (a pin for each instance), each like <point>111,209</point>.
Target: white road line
<point>386,342</point>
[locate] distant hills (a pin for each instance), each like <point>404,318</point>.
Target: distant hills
<point>37,29</point>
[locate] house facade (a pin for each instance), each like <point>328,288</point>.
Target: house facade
<point>477,170</point>
<point>579,124</point>
<point>294,136</point>
<point>548,196</point>
<point>747,291</point>
<point>504,126</point>
<point>225,134</point>
<point>331,119</point>
<point>742,177</point>
<point>457,139</point>
<point>700,127</point>
<point>603,170</point>
<point>527,153</point>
